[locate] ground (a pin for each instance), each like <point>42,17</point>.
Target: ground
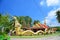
<point>48,38</point>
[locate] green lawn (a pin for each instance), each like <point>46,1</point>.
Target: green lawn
<point>38,36</point>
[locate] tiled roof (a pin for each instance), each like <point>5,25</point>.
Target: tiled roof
<point>43,25</point>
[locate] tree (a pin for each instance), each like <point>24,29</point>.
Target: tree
<point>5,22</point>
<point>36,24</point>
<point>28,21</point>
<point>25,21</point>
<point>36,21</point>
<point>58,15</point>
<point>21,20</point>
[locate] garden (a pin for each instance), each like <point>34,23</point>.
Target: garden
<point>24,27</point>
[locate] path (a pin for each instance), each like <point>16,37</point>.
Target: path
<point>48,38</point>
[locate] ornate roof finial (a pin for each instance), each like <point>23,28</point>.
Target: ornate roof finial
<point>45,21</point>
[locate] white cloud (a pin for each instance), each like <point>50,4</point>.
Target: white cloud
<point>52,2</point>
<point>55,5</point>
<point>42,3</point>
<point>51,15</point>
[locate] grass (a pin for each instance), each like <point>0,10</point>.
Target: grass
<point>37,36</point>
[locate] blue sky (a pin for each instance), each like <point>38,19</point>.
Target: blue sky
<point>36,9</point>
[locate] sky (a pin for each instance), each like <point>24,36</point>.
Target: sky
<point>36,9</point>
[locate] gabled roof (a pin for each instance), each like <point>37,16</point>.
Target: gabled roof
<point>43,25</point>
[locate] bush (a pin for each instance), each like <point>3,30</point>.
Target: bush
<point>3,33</point>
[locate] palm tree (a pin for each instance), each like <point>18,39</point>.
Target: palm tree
<point>58,15</point>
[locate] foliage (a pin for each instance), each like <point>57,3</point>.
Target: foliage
<point>5,22</point>
<point>58,15</point>
<point>36,22</point>
<point>58,28</point>
<point>25,21</point>
<point>8,23</point>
